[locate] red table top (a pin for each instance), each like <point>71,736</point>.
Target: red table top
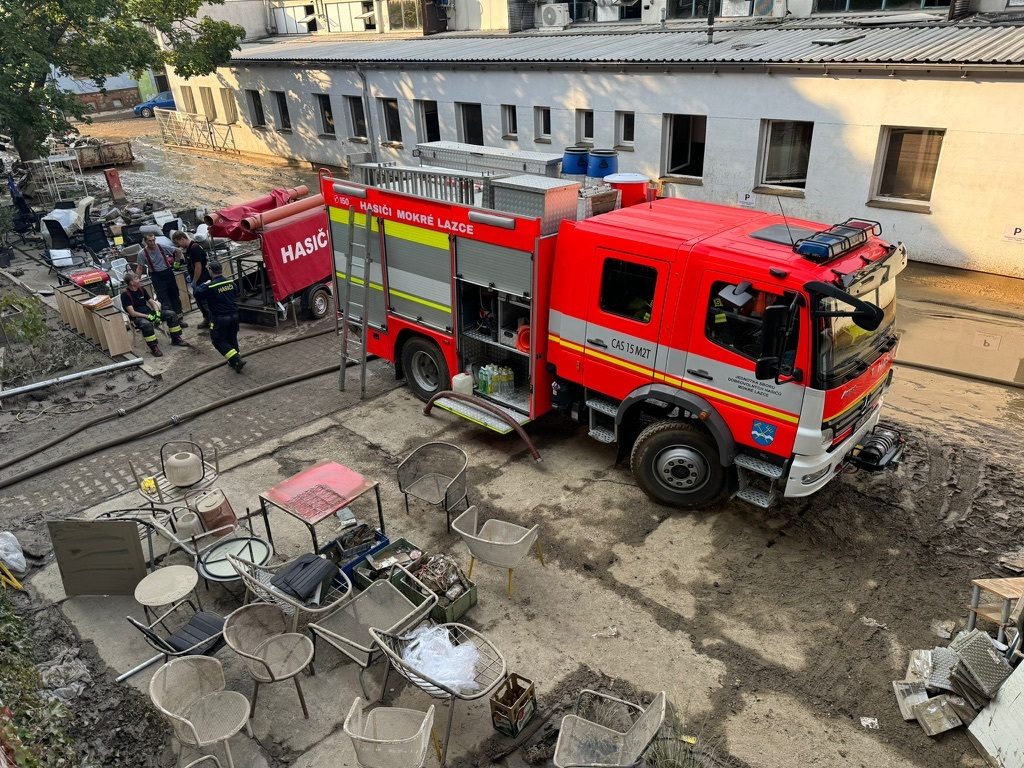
<point>319,491</point>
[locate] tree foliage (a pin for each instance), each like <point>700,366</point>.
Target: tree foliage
<point>94,39</point>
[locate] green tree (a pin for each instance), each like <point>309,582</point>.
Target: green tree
<point>94,39</point>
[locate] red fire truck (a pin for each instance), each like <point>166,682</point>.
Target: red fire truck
<point>725,351</point>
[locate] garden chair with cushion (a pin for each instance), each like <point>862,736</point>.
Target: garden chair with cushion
<point>583,743</point>
<point>498,543</point>
<point>382,605</point>
<point>435,473</point>
<point>489,672</point>
<point>257,579</point>
<point>200,635</point>
<point>258,632</point>
<point>389,737</point>
<point>189,691</point>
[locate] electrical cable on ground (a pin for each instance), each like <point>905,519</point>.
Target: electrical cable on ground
<point>171,421</point>
<point>149,400</point>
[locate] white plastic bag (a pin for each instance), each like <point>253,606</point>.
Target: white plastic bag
<point>11,554</point>
<point>433,654</point>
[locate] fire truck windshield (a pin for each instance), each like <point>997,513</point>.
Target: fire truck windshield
<point>844,348</point>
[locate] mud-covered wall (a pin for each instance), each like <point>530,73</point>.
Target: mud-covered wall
<point>973,219</point>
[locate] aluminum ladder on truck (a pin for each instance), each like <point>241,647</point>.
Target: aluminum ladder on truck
<point>348,353</point>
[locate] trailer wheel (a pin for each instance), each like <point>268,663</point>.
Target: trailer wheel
<point>318,302</point>
<point>677,464</point>
<point>426,371</point>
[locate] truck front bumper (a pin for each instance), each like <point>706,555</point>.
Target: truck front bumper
<point>809,474</point>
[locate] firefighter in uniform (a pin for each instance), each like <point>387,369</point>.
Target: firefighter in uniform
<point>219,296</point>
<point>146,315</point>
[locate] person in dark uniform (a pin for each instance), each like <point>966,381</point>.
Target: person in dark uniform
<point>146,316</point>
<point>219,295</point>
<point>195,263</point>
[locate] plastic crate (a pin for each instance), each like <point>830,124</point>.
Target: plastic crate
<point>361,570</point>
<point>444,614</point>
<point>348,559</point>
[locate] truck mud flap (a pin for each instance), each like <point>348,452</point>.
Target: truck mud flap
<point>882,448</point>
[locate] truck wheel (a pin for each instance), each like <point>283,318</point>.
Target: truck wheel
<point>426,371</point>
<point>677,464</point>
<point>318,302</point>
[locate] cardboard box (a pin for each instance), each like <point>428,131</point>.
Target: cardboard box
<point>512,705</point>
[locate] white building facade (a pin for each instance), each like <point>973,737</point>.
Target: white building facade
<point>927,140</point>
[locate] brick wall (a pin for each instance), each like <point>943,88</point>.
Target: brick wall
<point>110,100</point>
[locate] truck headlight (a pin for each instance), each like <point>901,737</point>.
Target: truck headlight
<point>815,476</point>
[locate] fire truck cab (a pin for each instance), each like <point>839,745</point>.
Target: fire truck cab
<point>725,351</point>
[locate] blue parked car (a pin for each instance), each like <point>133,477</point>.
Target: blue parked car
<point>163,100</point>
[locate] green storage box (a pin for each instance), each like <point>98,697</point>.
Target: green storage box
<point>448,613</point>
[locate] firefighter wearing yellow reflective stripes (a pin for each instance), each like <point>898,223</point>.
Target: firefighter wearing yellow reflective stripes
<point>147,314</point>
<point>219,295</point>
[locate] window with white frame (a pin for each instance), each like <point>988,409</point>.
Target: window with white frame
<point>585,127</point>
<point>188,100</point>
<point>785,153</point>
<point>542,124</point>
<point>625,127</point>
<point>283,117</point>
<point>325,113</point>
<point>209,107</point>
<point>683,139</point>
<point>428,122</point>
<point>392,120</point>
<point>907,162</point>
<point>227,102</point>
<point>256,113</point>
<point>356,118</point>
<point>509,122</point>
<point>471,123</point>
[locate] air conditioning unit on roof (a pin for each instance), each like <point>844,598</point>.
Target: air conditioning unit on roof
<point>553,16</point>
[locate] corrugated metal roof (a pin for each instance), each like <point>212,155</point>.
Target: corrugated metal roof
<point>934,43</point>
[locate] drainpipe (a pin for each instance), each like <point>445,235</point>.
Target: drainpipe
<point>5,393</point>
<point>368,113</point>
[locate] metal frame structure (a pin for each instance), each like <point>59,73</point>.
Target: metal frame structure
<point>181,129</point>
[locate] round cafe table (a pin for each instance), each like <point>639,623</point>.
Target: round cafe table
<point>167,585</point>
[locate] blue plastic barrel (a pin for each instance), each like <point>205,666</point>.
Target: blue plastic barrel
<point>602,163</point>
<point>574,161</point>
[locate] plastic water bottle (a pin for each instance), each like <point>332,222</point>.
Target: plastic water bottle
<point>482,383</point>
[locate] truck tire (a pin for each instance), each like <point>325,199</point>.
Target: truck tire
<point>677,464</point>
<point>318,302</point>
<point>426,371</point>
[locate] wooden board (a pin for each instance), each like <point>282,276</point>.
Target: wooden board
<point>98,557</point>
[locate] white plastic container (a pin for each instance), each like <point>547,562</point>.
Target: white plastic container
<point>462,383</point>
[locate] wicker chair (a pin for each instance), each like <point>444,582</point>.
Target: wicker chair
<point>257,583</point>
<point>258,632</point>
<point>582,743</point>
<point>490,669</point>
<point>190,693</point>
<point>382,605</point>
<point>389,737</point>
<point>435,473</point>
<point>498,543</point>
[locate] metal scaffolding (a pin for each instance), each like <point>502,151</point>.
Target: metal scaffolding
<point>181,129</point>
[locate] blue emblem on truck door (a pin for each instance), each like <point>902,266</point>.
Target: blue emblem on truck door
<point>763,433</point>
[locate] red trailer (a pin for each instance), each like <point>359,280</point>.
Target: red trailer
<point>288,259</point>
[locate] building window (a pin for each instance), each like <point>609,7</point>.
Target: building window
<point>542,124</point>
<point>683,151</point>
<point>471,123</point>
<point>209,107</point>
<point>403,14</point>
<point>227,102</point>
<point>188,99</point>
<point>259,118</point>
<point>323,106</point>
<point>907,167</point>
<point>627,289</point>
<point>585,126</point>
<point>624,129</point>
<point>357,118</point>
<point>284,120</point>
<point>428,125</point>
<point>392,121</point>
<point>509,121</point>
<point>785,154</point>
